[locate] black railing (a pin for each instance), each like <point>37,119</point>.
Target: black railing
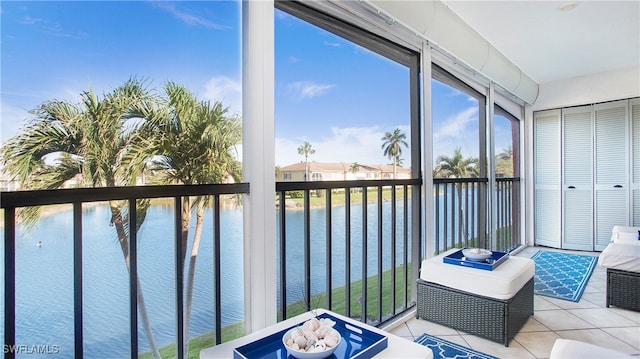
<point>461,210</point>
<point>394,232</point>
<point>459,213</point>
<point>508,214</point>
<point>363,252</point>
<point>15,200</point>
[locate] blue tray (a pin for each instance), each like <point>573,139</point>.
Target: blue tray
<point>490,263</point>
<point>356,342</point>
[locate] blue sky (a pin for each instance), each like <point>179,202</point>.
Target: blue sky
<point>338,96</point>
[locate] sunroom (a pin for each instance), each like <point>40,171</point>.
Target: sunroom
<point>288,261</point>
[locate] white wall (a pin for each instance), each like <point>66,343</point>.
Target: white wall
<point>601,87</point>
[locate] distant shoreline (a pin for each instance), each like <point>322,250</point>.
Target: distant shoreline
<point>292,203</point>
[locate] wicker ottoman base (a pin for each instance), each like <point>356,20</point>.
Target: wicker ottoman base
<point>494,319</point>
<point>623,288</point>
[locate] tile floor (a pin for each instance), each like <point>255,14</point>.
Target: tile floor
<point>588,320</point>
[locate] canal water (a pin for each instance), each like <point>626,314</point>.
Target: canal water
<point>44,274</point>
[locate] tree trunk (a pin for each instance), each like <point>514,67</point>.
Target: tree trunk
<point>116,219</point>
<point>191,276</point>
<point>461,227</point>
<point>186,219</point>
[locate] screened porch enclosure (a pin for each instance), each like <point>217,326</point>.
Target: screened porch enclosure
<point>356,253</point>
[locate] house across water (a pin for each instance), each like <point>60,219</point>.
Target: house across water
<point>322,171</point>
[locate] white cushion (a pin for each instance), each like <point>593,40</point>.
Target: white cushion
<point>621,256</point>
<point>627,238</point>
<point>501,283</point>
<point>570,349</point>
<point>625,229</point>
<point>624,234</point>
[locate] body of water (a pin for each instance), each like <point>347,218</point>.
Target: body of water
<point>44,274</point>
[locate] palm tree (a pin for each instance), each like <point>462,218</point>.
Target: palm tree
<point>353,168</point>
<point>506,154</point>
<point>91,143</point>
<point>392,146</point>
<point>195,144</point>
<point>504,162</point>
<point>457,166</point>
<point>306,150</point>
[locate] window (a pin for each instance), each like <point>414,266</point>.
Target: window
<point>58,50</point>
<point>458,128</point>
<point>340,90</point>
<point>342,96</point>
<point>459,159</point>
<point>507,143</point>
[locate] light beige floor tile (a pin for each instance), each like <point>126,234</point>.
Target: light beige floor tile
<point>600,338</point>
<point>630,335</point>
<point>596,298</point>
<point>561,320</point>
<point>537,343</point>
<point>402,331</point>
<point>596,286</point>
<point>602,317</point>
<point>592,289</point>
<point>629,314</point>
<point>540,303</point>
<point>566,304</point>
<point>419,326</point>
<point>532,325</point>
<point>514,350</point>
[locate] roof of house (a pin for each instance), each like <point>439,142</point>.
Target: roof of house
<point>343,167</point>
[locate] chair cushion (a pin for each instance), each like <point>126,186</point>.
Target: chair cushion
<point>501,283</point>
<point>573,349</point>
<point>626,235</point>
<point>621,256</point>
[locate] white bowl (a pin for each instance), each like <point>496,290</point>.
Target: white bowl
<point>305,355</point>
<point>476,254</point>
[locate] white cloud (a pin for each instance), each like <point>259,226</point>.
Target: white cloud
<point>227,90</point>
<point>348,145</point>
<point>332,44</point>
<point>28,20</point>
<point>454,126</point>
<point>186,17</point>
<point>52,28</point>
<point>454,132</point>
<point>307,89</point>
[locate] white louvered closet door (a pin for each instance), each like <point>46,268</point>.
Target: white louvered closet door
<point>634,106</point>
<point>547,196</point>
<point>577,179</point>
<point>612,170</point>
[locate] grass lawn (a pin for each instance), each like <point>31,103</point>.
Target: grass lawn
<point>338,198</point>
<point>236,330</point>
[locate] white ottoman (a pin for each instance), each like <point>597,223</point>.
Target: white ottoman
<point>573,349</point>
<point>622,261</point>
<point>490,304</point>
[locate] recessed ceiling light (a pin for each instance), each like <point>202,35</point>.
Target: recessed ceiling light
<point>568,6</point>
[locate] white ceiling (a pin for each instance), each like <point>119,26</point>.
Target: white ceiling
<point>549,43</point>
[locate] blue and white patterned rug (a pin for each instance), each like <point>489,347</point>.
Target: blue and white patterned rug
<point>444,349</point>
<point>562,275</point>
